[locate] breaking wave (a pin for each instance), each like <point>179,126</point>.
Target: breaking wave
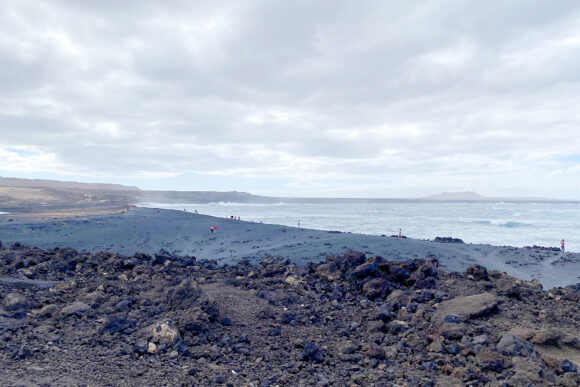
<point>502,223</point>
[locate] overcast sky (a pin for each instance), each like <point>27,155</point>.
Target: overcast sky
<point>295,98</point>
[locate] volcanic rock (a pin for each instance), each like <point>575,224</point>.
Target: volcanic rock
<point>14,302</point>
<point>376,287</point>
<point>468,307</point>
<point>164,332</point>
<point>514,346</point>
<point>77,308</point>
<point>48,311</point>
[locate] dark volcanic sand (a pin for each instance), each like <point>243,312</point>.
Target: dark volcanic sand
<point>149,230</point>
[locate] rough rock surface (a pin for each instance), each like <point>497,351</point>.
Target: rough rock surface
<point>465,308</point>
<point>70,318</point>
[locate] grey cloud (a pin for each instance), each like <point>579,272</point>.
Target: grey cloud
<point>410,92</point>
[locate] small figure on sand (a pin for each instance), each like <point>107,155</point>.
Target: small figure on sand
<point>400,235</point>
<point>196,212</point>
<point>298,223</point>
<point>213,229</point>
<point>563,245</point>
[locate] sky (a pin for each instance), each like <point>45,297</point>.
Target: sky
<point>394,99</point>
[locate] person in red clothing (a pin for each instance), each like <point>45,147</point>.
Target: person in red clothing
<point>562,243</point>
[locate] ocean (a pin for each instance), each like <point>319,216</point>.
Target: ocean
<point>496,223</point>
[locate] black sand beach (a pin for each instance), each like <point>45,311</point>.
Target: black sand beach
<point>180,233</point>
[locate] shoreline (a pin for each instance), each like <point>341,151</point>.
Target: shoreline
<point>183,233</point>
<point>509,226</point>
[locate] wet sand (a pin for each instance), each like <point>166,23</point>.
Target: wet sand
<point>149,230</point>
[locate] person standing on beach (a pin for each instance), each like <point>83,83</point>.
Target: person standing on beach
<point>400,235</point>
<point>562,243</point>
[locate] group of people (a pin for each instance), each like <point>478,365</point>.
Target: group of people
<point>234,217</point>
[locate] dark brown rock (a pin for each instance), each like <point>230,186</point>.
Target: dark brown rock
<point>376,287</point>
<point>466,308</point>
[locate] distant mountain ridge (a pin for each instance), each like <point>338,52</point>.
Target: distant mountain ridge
<point>26,193</point>
<point>467,195</point>
<point>56,184</point>
<point>175,197</point>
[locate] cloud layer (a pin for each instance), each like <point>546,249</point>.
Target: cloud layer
<point>334,98</point>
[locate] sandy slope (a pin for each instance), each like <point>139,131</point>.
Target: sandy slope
<point>149,230</point>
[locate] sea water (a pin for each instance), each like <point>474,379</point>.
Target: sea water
<point>496,223</point>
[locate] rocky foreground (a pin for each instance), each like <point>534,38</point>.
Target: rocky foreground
<point>70,318</point>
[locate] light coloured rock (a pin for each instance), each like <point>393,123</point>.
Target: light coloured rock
<point>328,272</point>
<point>467,307</point>
<point>296,284</point>
<point>490,360</point>
<point>528,369</point>
<point>452,331</point>
<point>14,301</point>
<point>76,308</point>
<point>398,296</point>
<point>164,332</point>
<point>152,348</point>
<point>48,311</point>
<point>436,345</point>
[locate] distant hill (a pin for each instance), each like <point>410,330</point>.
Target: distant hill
<point>33,195</point>
<point>467,195</point>
<point>175,197</point>
<point>44,196</point>
<point>38,183</point>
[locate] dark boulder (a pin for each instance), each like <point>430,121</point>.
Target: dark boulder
<point>447,240</point>
<point>184,295</point>
<point>14,302</point>
<point>77,308</point>
<point>478,272</point>
<point>193,320</point>
<point>273,266</point>
<point>512,345</point>
<point>312,353</point>
<point>347,261</point>
<point>369,267</point>
<point>376,287</point>
<point>116,324</point>
<point>568,366</point>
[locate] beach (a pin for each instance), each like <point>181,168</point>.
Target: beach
<point>182,233</point>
